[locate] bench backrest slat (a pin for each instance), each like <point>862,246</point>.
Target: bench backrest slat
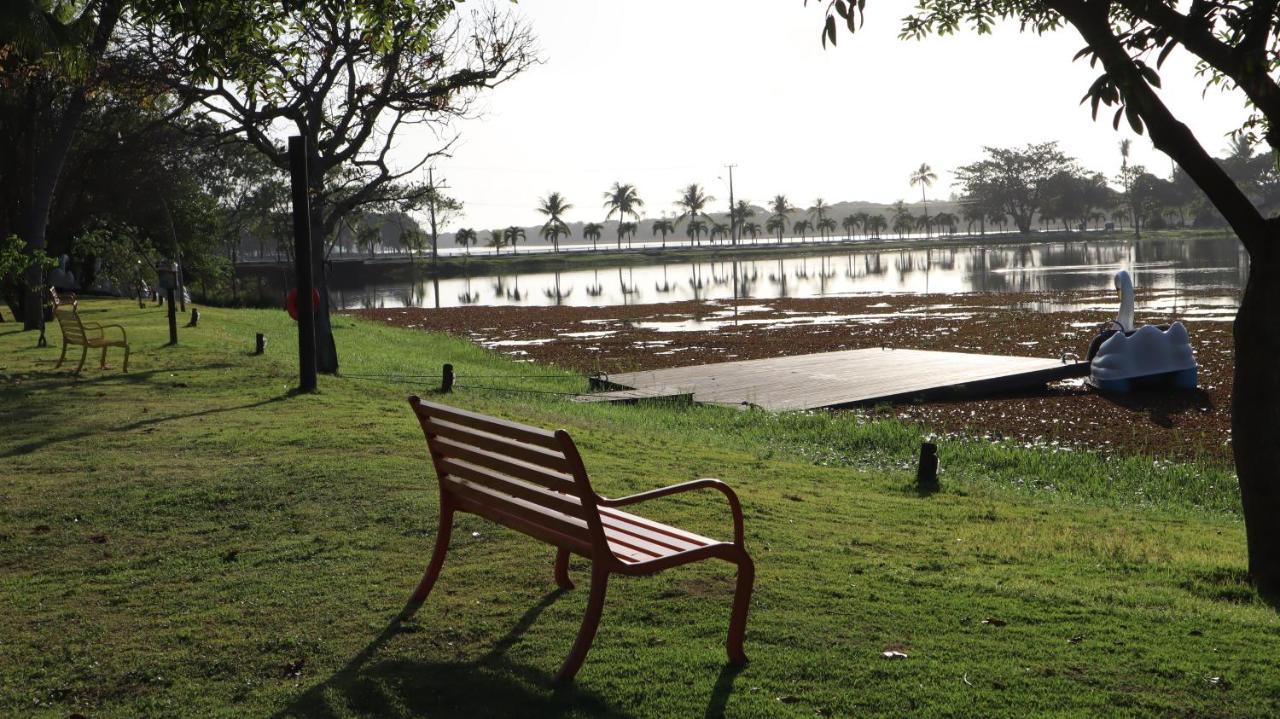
<point>526,477</point>
<point>69,322</point>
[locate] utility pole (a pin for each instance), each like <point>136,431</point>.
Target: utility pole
<point>303,263</point>
<point>431,211</point>
<point>733,214</point>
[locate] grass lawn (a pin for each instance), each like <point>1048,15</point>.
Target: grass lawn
<point>190,539</point>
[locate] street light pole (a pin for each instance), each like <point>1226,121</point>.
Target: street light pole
<point>733,215</point>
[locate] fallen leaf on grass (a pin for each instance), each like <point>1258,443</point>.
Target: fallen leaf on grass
<point>40,529</point>
<point>294,669</point>
<point>994,622</point>
<point>1076,639</point>
<point>97,539</point>
<point>231,555</point>
<point>892,654</point>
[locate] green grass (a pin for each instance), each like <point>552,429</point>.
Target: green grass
<point>190,539</point>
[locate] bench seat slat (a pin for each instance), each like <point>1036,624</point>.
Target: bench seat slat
<point>657,527</point>
<point>557,481</point>
<point>550,459</point>
<point>527,491</point>
<point>616,526</point>
<point>522,432</point>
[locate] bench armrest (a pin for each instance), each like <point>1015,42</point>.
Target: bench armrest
<point>734,505</point>
<point>123,335</point>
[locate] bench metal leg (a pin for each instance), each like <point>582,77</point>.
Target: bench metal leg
<point>83,354</point>
<point>437,558</point>
<point>102,364</point>
<point>590,622</point>
<point>126,358</point>
<point>741,603</point>
<point>562,569</point>
<point>64,355</point>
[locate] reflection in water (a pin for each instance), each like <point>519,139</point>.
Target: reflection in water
<point>1175,265</point>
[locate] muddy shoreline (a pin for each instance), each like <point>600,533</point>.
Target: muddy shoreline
<point>1170,425</point>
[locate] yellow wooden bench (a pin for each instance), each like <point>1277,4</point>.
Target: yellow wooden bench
<point>86,335</point>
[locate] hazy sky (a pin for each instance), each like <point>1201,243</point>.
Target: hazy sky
<point>662,93</point>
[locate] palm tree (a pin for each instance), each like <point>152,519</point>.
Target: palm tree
<point>553,208</point>
<point>818,212</point>
<point>627,230</point>
<point>623,200</point>
<point>776,225</point>
<point>512,235</point>
<point>663,227</point>
<point>850,224</point>
<point>923,223</point>
<point>780,209</point>
<point>876,224</point>
<point>466,237</point>
<point>718,230</point>
<point>826,226</point>
<point>497,239</point>
<point>740,214</point>
<point>695,230</point>
<point>753,229</point>
<point>801,227</point>
<point>946,220</point>
<point>552,232</point>
<point>692,201</point>
<point>591,231</point>
<point>924,177</point>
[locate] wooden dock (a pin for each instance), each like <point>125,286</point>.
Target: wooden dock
<point>851,377</point>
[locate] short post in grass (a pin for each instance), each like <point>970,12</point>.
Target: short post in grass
<point>195,317</point>
<point>259,343</point>
<point>167,278</point>
<point>927,472</point>
<point>446,379</point>
<point>302,259</point>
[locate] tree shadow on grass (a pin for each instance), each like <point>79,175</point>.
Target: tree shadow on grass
<point>491,686</point>
<point>20,418</point>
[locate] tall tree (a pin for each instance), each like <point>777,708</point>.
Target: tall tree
<point>513,235</point>
<point>591,231</point>
<point>348,77</point>
<point>624,200</point>
<point>52,61</point>
<point>465,237</point>
<point>663,227</point>
<point>924,177</point>
<point>1237,43</point>
<point>1015,179</point>
<point>691,203</point>
<point>553,207</point>
<point>780,214</point>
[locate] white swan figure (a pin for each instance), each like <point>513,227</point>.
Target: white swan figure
<point>1146,355</point>
<point>1124,285</point>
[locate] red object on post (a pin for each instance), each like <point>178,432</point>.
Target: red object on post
<point>291,303</point>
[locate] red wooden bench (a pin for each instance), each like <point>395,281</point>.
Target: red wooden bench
<point>533,480</point>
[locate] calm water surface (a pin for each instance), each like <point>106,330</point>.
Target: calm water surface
<point>1171,265</point>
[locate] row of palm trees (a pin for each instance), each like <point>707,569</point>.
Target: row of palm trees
<point>623,201</point>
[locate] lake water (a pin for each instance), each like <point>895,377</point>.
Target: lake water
<point>1088,264</point>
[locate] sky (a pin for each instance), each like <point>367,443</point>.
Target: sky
<point>663,93</point>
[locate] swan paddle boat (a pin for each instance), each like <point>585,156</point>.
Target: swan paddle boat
<point>1123,357</point>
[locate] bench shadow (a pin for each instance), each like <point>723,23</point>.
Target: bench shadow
<point>722,691</point>
<point>490,686</point>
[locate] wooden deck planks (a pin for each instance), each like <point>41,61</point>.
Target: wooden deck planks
<point>833,379</point>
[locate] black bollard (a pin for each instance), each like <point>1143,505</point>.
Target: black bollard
<point>927,472</point>
<point>446,380</point>
<point>195,317</point>
<point>259,344</point>
<point>173,317</point>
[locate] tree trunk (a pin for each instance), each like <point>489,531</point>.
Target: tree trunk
<point>1255,418</point>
